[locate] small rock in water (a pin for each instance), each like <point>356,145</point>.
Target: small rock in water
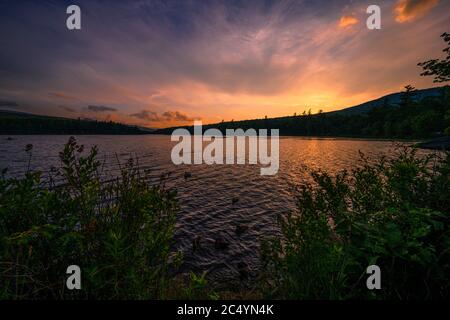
<point>241,228</point>
<point>221,243</point>
<point>9,139</point>
<point>196,243</point>
<point>187,175</point>
<point>234,200</point>
<point>243,270</point>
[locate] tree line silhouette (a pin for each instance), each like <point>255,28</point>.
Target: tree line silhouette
<point>10,125</point>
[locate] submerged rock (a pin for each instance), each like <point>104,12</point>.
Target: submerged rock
<point>221,243</point>
<point>196,243</point>
<point>243,270</point>
<point>240,229</point>
<point>187,175</point>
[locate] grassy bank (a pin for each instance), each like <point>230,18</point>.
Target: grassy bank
<point>394,213</point>
<point>118,233</point>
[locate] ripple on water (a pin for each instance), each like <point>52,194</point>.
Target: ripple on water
<point>214,200</point>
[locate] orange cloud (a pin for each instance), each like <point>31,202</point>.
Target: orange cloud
<point>347,21</point>
<point>166,118</point>
<point>267,62</point>
<point>409,10</point>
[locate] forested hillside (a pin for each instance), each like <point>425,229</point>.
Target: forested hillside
<point>22,123</point>
<point>408,118</point>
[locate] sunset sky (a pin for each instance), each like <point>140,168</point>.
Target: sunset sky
<point>166,63</point>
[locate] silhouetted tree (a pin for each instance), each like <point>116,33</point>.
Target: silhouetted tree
<point>440,69</point>
<point>407,96</point>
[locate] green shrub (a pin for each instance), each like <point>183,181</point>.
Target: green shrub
<point>447,131</point>
<point>394,214</point>
<point>118,232</point>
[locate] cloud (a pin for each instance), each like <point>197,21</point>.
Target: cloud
<point>65,108</point>
<point>216,59</point>
<point>347,21</point>
<point>409,10</point>
<point>146,115</point>
<point>176,116</point>
<point>61,95</point>
<point>167,116</point>
<point>100,108</point>
<point>7,103</point>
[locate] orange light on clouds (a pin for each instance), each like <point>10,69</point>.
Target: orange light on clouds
<point>270,63</point>
<point>347,21</point>
<point>409,10</point>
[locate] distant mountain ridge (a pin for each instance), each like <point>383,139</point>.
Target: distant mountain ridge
<point>338,123</point>
<point>20,114</point>
<point>17,122</point>
<point>390,99</point>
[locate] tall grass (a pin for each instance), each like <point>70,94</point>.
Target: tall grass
<point>394,214</point>
<point>119,233</point>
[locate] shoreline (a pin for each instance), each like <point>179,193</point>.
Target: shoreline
<point>441,143</point>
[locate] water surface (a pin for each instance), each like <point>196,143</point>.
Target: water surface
<point>207,209</point>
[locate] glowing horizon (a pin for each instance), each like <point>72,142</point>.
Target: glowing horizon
<point>161,64</point>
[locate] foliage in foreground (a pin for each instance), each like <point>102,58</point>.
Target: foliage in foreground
<point>394,214</point>
<point>119,233</point>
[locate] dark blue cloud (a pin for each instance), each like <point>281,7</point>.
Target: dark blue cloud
<point>129,51</point>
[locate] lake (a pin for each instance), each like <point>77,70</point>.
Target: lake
<point>206,197</point>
